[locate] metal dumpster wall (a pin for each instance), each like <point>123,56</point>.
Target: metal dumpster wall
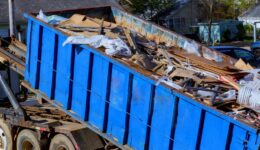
<point>123,103</point>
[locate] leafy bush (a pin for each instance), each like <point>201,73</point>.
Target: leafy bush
<point>248,28</point>
<point>241,32</point>
<point>226,35</point>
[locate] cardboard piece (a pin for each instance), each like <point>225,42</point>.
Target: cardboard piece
<point>78,20</point>
<point>240,64</point>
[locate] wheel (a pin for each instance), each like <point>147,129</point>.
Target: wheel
<point>61,142</point>
<point>27,140</point>
<point>6,141</point>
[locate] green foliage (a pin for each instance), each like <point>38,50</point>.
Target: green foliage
<point>234,8</point>
<point>136,6</point>
<point>147,8</point>
<point>226,35</point>
<point>241,32</point>
<point>248,28</point>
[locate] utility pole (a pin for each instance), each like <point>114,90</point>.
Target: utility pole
<point>11,17</point>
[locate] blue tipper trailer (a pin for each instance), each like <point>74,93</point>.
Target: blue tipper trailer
<point>120,102</point>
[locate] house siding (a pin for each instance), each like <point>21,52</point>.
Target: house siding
<point>182,19</point>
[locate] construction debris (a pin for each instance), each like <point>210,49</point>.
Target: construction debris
<point>202,76</point>
<point>113,46</point>
<point>53,19</point>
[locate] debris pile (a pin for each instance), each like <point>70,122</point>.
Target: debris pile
<point>234,89</point>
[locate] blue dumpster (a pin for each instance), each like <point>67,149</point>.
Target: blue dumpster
<point>122,102</point>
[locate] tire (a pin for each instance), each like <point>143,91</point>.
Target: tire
<point>6,140</point>
<point>61,142</point>
<point>27,140</point>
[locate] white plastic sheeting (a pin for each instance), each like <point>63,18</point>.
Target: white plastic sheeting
<point>53,19</point>
<point>169,82</point>
<point>113,46</point>
<point>192,47</point>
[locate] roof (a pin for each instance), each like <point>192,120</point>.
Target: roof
<point>254,12</point>
<point>171,10</point>
<point>34,6</point>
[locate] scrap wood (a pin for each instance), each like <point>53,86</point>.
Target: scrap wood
<point>180,72</point>
<point>249,67</point>
<point>196,59</point>
<point>171,59</point>
<point>141,40</point>
<point>203,66</point>
<point>101,27</point>
<point>105,23</point>
<point>165,54</point>
<point>131,40</point>
<point>230,81</point>
<point>19,44</point>
<point>110,34</point>
<point>206,64</point>
<point>158,66</point>
<point>78,20</point>
<point>82,29</point>
<point>240,64</point>
<point>144,61</point>
<point>72,33</point>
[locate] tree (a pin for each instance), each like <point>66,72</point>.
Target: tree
<point>146,8</point>
<point>208,9</point>
<point>223,9</point>
<point>234,8</point>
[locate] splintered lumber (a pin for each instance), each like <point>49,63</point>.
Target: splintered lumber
<point>204,64</point>
<point>78,20</point>
<point>180,72</point>
<point>130,39</point>
<point>165,54</point>
<point>230,81</point>
<point>19,44</point>
<point>101,26</point>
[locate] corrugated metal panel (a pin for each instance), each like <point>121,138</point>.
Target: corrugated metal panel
<point>126,105</point>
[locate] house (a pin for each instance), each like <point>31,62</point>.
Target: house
<point>251,16</point>
<point>34,6</point>
<point>181,16</point>
<point>220,31</point>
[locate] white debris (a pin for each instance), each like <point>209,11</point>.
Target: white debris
<point>169,69</point>
<point>229,95</point>
<point>113,46</point>
<point>249,95</point>
<point>53,19</point>
<point>192,47</point>
<point>212,55</point>
<point>254,72</point>
<point>166,80</point>
<point>202,93</point>
<point>42,16</point>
